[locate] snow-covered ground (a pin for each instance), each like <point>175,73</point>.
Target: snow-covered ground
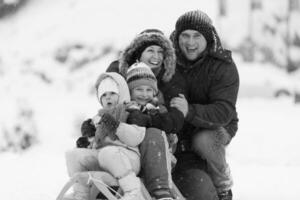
<point>264,155</point>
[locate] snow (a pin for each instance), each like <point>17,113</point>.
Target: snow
<point>264,155</point>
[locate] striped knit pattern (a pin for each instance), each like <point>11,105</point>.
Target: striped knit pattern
<point>141,74</point>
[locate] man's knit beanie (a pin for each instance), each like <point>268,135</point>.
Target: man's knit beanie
<point>198,21</point>
<point>141,74</point>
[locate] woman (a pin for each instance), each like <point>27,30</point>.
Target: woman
<point>154,49</point>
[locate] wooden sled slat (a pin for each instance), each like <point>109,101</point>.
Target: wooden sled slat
<point>103,180</point>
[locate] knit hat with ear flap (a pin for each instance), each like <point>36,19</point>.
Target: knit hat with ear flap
<point>198,21</point>
<point>141,74</point>
<point>149,37</point>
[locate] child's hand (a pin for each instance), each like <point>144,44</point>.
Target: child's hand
<point>138,118</point>
<point>107,128</point>
<point>132,105</point>
<point>96,119</point>
<point>105,110</point>
<point>82,142</point>
<point>150,106</point>
<point>88,129</point>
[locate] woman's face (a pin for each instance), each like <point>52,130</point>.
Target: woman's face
<point>153,56</point>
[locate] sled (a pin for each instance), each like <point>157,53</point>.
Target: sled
<point>103,182</point>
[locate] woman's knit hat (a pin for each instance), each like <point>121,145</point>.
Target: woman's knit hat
<point>141,74</point>
<point>198,21</point>
<point>132,53</point>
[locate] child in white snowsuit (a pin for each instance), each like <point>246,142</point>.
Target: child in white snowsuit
<point>114,148</point>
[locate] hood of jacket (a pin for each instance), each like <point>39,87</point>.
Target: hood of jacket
<point>128,55</point>
<point>124,95</point>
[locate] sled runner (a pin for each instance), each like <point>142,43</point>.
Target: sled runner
<point>103,182</point>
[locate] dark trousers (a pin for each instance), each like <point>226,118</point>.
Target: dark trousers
<point>191,178</point>
<point>211,146</point>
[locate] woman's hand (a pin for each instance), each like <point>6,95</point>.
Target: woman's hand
<point>181,104</point>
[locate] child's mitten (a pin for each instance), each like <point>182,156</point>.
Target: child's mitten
<point>88,129</point>
<point>107,127</point>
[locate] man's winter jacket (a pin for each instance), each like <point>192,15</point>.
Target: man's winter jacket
<point>212,87</point>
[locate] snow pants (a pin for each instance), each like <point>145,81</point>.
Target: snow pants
<point>155,161</point>
<point>116,160</point>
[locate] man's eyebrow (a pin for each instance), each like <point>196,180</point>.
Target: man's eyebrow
<point>184,34</point>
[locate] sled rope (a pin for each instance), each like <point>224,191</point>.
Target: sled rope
<point>93,180</point>
<point>67,186</point>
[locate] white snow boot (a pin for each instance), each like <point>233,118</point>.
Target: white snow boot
<point>131,186</point>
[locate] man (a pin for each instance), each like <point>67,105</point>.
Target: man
<point>212,88</point>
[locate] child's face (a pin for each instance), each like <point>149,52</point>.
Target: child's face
<point>109,99</point>
<point>142,94</point>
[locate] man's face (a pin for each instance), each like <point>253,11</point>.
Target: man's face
<point>192,44</point>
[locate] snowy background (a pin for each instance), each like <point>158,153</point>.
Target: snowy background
<point>52,51</point>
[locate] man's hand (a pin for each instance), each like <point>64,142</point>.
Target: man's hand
<point>181,104</point>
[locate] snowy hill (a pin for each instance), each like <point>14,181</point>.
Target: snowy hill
<point>50,55</point>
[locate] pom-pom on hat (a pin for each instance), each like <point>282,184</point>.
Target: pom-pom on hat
<point>141,74</point>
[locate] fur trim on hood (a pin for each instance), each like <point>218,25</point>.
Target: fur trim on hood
<point>124,95</point>
<point>128,55</point>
